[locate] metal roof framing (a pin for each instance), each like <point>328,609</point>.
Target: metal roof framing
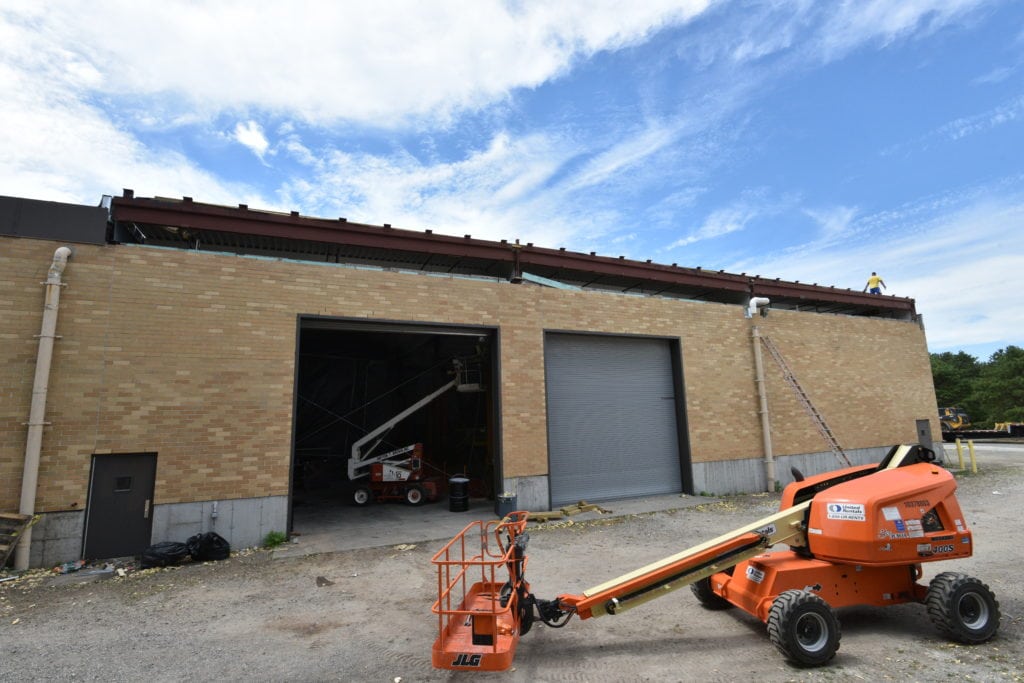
<point>184,223</point>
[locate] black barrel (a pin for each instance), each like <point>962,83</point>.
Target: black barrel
<point>507,503</point>
<point>458,493</point>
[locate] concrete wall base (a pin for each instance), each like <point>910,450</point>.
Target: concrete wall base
<point>57,536</point>
<point>717,478</point>
<point>242,522</point>
<point>747,476</point>
<point>532,493</point>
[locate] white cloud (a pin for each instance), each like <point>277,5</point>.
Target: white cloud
<point>59,148</point>
<point>180,63</point>
<point>81,103</point>
<point>250,134</point>
<point>377,63</point>
<point>494,193</point>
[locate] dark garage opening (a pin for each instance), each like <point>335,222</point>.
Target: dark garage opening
<point>354,376</point>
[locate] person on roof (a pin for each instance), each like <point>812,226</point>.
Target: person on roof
<point>875,284</point>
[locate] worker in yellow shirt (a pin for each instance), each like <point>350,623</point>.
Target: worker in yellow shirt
<point>875,284</point>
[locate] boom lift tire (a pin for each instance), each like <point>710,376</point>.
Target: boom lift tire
<point>414,495</point>
<point>362,496</point>
<point>804,628</point>
<point>707,597</point>
<point>962,608</point>
<point>525,616</point>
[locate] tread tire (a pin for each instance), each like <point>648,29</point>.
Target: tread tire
<point>962,608</point>
<point>804,628</point>
<point>708,598</point>
<point>363,495</point>
<point>414,495</point>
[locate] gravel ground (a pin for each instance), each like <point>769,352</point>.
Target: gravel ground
<point>365,615</point>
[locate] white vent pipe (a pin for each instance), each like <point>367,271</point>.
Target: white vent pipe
<point>756,303</point>
<point>37,413</point>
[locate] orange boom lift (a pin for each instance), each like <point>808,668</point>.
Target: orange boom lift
<point>856,536</point>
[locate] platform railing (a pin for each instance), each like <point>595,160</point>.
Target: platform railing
<point>472,571</point>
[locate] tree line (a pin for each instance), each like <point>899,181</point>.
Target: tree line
<point>988,391</point>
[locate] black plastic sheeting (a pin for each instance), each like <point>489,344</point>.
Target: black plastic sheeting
<point>205,547</point>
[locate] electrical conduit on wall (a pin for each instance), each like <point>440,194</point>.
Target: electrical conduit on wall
<point>37,413</point>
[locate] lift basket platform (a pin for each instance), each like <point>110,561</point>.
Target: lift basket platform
<point>478,574</point>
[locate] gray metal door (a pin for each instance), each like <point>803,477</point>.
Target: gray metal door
<point>611,418</point>
<point>924,434</point>
<point>119,514</point>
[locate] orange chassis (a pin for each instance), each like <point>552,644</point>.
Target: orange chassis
<point>857,536</point>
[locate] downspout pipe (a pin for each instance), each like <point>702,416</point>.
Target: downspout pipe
<point>762,392</point>
<point>37,413</point>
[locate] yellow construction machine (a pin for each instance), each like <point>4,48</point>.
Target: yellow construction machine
<point>953,419</point>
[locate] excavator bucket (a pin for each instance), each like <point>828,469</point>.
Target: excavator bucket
<point>481,595</point>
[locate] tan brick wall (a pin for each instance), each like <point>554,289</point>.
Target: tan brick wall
<point>192,355</point>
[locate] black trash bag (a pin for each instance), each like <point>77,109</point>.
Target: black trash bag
<point>208,546</point>
<point>163,554</point>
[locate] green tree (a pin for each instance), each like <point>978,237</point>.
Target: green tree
<point>954,375</point>
<point>999,388</point>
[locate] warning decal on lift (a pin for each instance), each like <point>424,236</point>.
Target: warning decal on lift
<point>850,512</point>
<point>892,513</point>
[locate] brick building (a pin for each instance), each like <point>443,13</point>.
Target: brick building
<point>230,357</point>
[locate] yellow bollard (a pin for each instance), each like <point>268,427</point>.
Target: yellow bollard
<point>974,463</point>
<point>960,453</point>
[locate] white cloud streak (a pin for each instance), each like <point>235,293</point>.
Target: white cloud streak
<point>1006,113</point>
<point>857,22</point>
<point>719,223</point>
<point>834,221</point>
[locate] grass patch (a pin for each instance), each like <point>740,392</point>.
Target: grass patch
<point>274,539</point>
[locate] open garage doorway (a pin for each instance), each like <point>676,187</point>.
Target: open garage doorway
<point>424,393</point>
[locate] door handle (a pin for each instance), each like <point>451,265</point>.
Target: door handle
<point>145,512</point>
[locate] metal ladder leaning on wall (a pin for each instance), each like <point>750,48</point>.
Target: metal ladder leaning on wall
<point>805,401</point>
<point>12,526</point>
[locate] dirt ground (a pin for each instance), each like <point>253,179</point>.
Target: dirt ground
<point>365,615</point>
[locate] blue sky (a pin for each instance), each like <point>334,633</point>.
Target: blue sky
<point>812,141</point>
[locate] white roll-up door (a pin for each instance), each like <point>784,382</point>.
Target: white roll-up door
<point>611,417</point>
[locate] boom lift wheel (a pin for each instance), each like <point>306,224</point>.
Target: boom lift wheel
<point>804,628</point>
<point>707,597</point>
<point>962,608</point>
<point>362,495</point>
<point>414,495</point>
